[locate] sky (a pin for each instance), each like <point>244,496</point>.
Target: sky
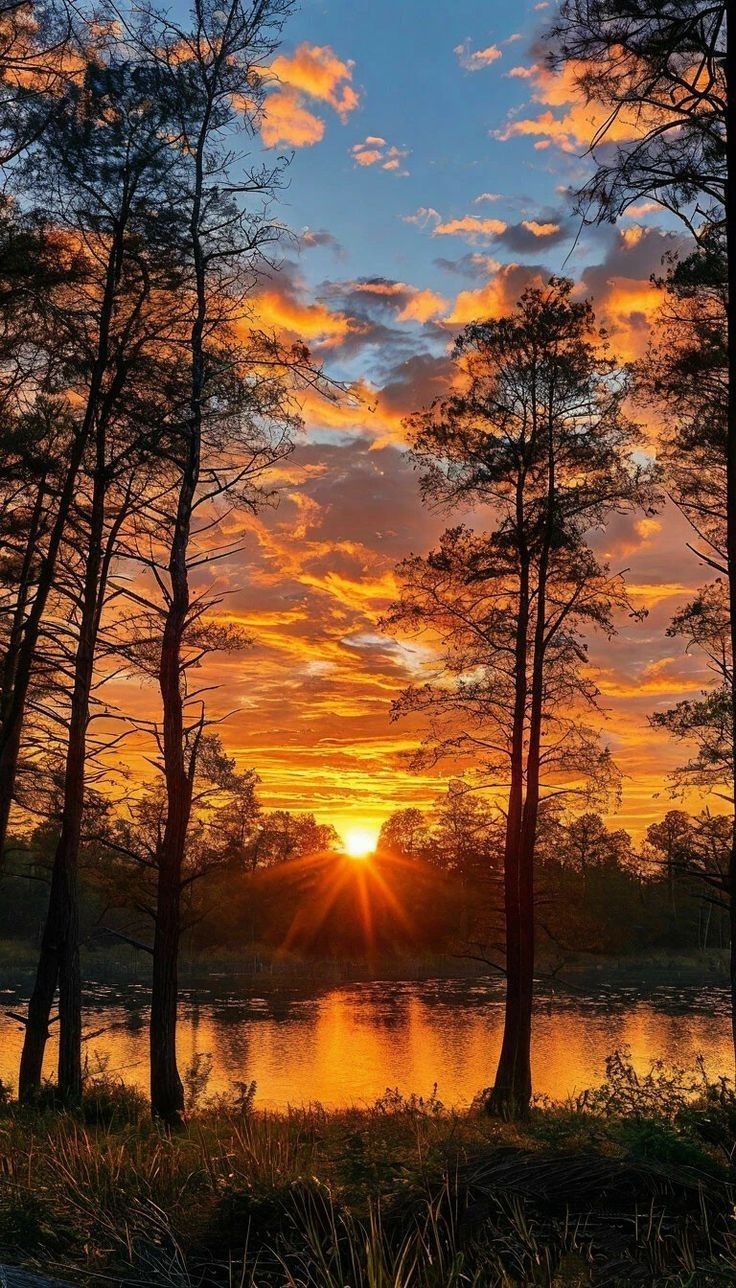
<point>434,156</point>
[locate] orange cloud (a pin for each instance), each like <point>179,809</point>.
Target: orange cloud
<point>539,230</point>
<point>628,309</point>
<point>281,311</point>
<point>375,151</point>
<point>418,306</point>
<point>572,128</point>
<point>422,306</point>
<point>288,123</point>
<point>470,226</point>
<point>497,297</point>
<point>317,71</point>
<point>314,71</point>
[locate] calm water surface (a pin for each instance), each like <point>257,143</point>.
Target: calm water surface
<point>346,1045</point>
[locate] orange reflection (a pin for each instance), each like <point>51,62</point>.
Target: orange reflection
<point>346,1046</point>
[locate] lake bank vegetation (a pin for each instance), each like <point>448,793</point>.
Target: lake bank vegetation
<point>629,1183</point>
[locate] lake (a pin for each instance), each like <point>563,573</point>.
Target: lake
<point>345,1045</point>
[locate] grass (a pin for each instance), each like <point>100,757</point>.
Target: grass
<point>629,1184</point>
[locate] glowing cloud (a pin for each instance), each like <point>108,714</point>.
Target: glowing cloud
<point>314,71</point>
<point>317,71</point>
<point>288,123</point>
<point>471,227</point>
<point>375,151</point>
<point>569,123</point>
<point>540,230</point>
<point>474,60</point>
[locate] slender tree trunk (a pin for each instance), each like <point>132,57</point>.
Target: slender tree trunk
<point>505,1095</point>
<point>60,947</point>
<point>513,1087</point>
<point>167,1093</point>
<point>730,213</point>
<point>14,698</point>
<point>15,637</point>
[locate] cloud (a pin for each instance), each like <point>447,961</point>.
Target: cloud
<point>310,238</point>
<point>474,60</point>
<point>279,308</point>
<point>623,294</point>
<point>643,208</point>
<point>540,230</point>
<point>375,151</point>
<point>288,123</point>
<point>497,296</point>
<point>521,237</point>
<point>486,196</point>
<point>522,73</point>
<point>570,122</point>
<point>530,234</point>
<point>472,265</point>
<point>314,72</point>
<point>471,227</point>
<point>317,71</point>
<point>423,217</point>
<point>411,303</point>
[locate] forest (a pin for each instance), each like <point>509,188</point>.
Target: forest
<point>176,804</point>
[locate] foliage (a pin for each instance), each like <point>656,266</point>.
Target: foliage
<point>612,1190</point>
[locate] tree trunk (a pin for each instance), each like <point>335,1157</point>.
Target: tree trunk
<point>61,947</point>
<point>730,213</point>
<point>14,697</point>
<point>167,1094</point>
<point>513,1087</point>
<point>509,1090</point>
<point>167,1091</point>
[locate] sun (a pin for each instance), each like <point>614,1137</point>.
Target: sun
<point>360,842</point>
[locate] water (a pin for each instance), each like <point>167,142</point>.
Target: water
<point>346,1045</point>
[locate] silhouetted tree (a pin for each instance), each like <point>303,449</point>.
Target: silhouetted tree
<point>535,431</point>
<point>103,165</point>
<point>404,832</point>
<point>234,421</point>
<point>667,73</point>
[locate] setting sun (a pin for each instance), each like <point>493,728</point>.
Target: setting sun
<point>360,842</point>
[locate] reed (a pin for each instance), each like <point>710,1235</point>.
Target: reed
<point>630,1184</point>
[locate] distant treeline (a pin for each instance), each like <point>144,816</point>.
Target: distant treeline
<point>434,887</point>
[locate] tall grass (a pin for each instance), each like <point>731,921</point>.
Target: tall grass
<point>632,1184</point>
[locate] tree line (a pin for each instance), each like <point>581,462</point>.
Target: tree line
<point>144,408</point>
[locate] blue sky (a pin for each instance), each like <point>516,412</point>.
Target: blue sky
<point>415,94</point>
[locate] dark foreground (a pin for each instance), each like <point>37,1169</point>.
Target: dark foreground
<point>631,1184</point>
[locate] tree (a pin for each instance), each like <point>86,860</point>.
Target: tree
<point>404,833</point>
<point>234,418</point>
<point>281,837</point>
<point>672,842</point>
<point>588,843</point>
<point>670,71</point>
<point>466,833</point>
<point>536,432</point>
<point>104,168</point>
